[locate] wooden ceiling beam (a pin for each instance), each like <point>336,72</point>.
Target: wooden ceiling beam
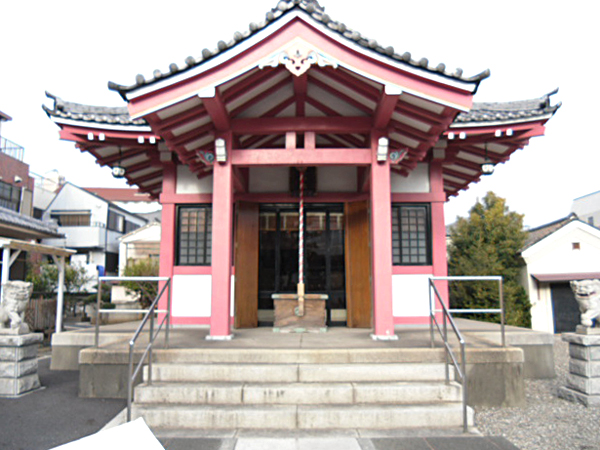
<point>216,110</point>
<point>346,98</point>
<point>384,109</point>
<point>259,97</point>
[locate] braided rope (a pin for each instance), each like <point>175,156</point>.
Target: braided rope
<point>301,232</point>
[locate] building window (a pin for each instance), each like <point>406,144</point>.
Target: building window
<point>116,222</point>
<point>130,226</point>
<point>411,234</point>
<point>10,196</point>
<point>194,235</point>
<point>81,219</point>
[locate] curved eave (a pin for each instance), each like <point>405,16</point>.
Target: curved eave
<point>136,148</point>
<point>285,12</point>
<point>468,149</point>
<point>248,55</point>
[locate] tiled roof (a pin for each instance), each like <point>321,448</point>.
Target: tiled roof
<point>537,234</point>
<point>93,114</point>
<point>481,113</point>
<point>12,218</point>
<point>317,12</point>
<point>507,111</point>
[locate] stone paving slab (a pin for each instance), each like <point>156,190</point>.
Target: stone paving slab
<point>341,443</point>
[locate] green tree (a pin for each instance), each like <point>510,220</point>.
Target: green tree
<point>44,276</point>
<point>488,242</point>
<point>147,290</point>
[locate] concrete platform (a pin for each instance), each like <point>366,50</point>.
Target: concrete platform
<point>496,374</point>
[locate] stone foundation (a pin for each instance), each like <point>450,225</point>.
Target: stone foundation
<point>18,363</point>
<point>583,381</point>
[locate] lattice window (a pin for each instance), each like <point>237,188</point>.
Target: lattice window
<point>10,196</point>
<point>194,235</point>
<point>411,235</point>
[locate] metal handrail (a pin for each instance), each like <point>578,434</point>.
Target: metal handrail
<point>149,316</point>
<point>484,310</point>
<point>461,369</point>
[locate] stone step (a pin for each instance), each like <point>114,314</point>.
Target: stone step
<point>300,356</point>
<point>289,373</point>
<point>306,417</point>
<point>297,393</point>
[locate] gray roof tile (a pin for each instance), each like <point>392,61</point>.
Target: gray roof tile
<point>93,114</point>
<point>10,217</point>
<point>507,111</point>
<point>317,12</point>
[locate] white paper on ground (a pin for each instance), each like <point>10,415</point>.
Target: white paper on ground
<point>130,435</point>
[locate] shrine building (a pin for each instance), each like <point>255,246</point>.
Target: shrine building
<point>380,140</point>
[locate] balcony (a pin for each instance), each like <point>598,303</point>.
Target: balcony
<point>11,149</point>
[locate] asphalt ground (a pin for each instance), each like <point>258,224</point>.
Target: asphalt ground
<point>53,415</point>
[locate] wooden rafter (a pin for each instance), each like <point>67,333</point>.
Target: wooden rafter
<point>259,97</point>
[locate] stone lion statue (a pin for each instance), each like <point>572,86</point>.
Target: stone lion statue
<point>15,297</point>
<point>587,294</point>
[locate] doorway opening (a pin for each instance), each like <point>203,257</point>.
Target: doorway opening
<point>324,258</point>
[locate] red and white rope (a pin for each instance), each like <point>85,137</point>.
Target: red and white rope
<point>301,231</point>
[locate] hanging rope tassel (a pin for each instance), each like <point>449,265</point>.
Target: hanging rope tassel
<point>300,309</point>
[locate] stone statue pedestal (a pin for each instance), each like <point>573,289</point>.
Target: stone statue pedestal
<point>583,381</point>
<point>18,362</point>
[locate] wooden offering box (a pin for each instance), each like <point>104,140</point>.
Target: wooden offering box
<point>288,320</point>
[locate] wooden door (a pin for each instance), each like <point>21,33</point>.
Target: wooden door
<point>246,265</point>
<point>358,265</point>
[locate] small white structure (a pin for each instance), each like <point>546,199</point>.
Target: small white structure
<point>587,208</point>
<point>139,244</point>
<point>557,253</point>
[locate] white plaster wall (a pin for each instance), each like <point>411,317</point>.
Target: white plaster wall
<point>73,198</point>
<point>416,182</point>
<point>336,179</point>
<point>269,179</point>
<point>191,295</point>
<point>556,254</point>
<point>188,183</point>
<point>410,295</point>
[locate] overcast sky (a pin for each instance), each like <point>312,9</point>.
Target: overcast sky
<point>73,48</point>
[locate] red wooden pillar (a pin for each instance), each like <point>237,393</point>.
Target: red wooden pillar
<point>167,234</point>
<point>438,229</point>
<point>222,222</point>
<point>381,245</point>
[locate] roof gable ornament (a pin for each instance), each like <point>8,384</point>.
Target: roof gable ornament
<point>298,58</point>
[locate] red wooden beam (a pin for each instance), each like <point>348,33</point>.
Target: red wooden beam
<point>317,124</point>
<point>259,97</point>
<point>384,109</point>
<point>346,98</point>
<point>422,115</point>
<point>217,111</point>
<point>191,135</point>
<point>300,88</point>
<point>321,107</point>
<point>278,108</point>
<point>125,154</point>
<point>177,120</point>
<point>241,88</point>
<point>268,157</point>
<point>349,81</point>
<point>150,176</point>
